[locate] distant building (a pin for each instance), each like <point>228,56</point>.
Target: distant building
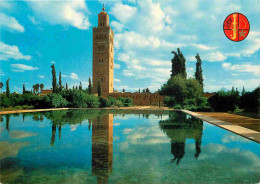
<point>103,65</point>
<point>45,92</point>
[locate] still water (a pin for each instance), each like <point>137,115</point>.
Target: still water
<point>101,146</point>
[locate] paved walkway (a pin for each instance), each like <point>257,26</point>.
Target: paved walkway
<point>244,121</point>
<point>245,132</point>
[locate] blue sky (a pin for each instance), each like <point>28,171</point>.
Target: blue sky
<point>35,34</point>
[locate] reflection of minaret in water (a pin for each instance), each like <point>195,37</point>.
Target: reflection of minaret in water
<point>102,147</point>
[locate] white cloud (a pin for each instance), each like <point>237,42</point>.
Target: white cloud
<point>117,80</point>
<point>64,75</point>
<point>123,12</point>
<point>117,66</point>
<point>53,62</point>
<point>8,52</point>
<point>127,130</point>
<point>72,13</point>
<point>22,67</point>
<point>117,25</point>
<point>74,76</point>
<point>214,57</point>
<point>41,76</point>
<point>33,20</point>
<point>203,47</point>
<point>10,23</point>
<point>243,67</point>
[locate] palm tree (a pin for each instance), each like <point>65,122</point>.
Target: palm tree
<point>41,86</point>
<point>34,88</point>
<point>37,87</point>
<point>1,86</point>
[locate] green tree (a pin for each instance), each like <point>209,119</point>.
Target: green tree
<point>34,88</point>
<point>80,86</point>
<point>123,90</point>
<point>243,91</point>
<point>7,88</point>
<point>60,83</point>
<point>37,87</point>
<point>198,73</point>
<point>41,86</point>
<point>67,86</point>
<point>1,86</point>
<point>147,90</point>
<point>89,86</point>
<point>23,88</point>
<point>178,64</point>
<point>54,80</point>
<point>176,87</point>
<point>76,87</point>
<point>99,89</point>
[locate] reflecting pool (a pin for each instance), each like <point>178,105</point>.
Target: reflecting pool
<point>113,146</point>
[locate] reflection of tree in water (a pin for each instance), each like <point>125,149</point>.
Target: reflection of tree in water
<point>178,128</point>
<point>7,117</point>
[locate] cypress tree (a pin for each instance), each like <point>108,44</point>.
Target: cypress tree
<point>243,91</point>
<point>23,88</point>
<point>89,86</point>
<point>80,86</point>
<point>7,88</point>
<point>99,89</point>
<point>66,86</point>
<point>73,87</point>
<point>198,73</point>
<point>54,80</point>
<point>178,64</point>
<point>60,82</point>
<point>76,87</point>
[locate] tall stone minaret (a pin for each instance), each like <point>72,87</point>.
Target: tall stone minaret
<point>103,54</point>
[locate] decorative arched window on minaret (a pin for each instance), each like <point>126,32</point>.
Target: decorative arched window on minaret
<point>103,56</point>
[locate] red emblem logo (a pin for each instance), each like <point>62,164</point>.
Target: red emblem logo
<point>236,27</point>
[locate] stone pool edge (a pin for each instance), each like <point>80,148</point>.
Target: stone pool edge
<point>239,130</point>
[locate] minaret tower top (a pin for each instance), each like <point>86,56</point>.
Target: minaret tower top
<point>103,18</point>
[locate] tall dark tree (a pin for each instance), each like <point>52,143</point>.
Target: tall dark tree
<point>41,87</point>
<point>60,83</point>
<point>67,86</point>
<point>23,88</point>
<point>198,73</point>
<point>34,88</point>
<point>139,90</point>
<point>99,89</point>
<point>80,86</point>
<point>54,80</point>
<point>7,87</point>
<point>147,90</point>
<point>76,87</point>
<point>73,87</point>
<point>37,87</point>
<point>123,90</point>
<point>243,91</point>
<point>1,86</point>
<point>89,86</point>
<point>178,64</point>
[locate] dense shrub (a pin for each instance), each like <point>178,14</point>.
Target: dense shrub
<point>111,101</point>
<point>4,101</point>
<point>224,101</point>
<point>127,102</point>
<point>169,101</point>
<point>250,101</point>
<point>177,106</point>
<point>103,102</point>
<point>80,99</point>
<point>55,100</point>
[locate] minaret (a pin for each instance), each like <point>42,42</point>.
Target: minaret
<point>103,54</point>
